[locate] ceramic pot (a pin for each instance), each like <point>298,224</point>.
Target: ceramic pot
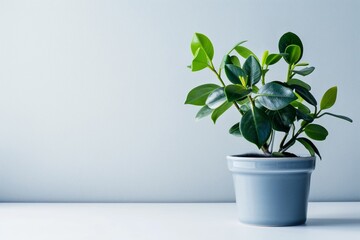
<point>271,191</point>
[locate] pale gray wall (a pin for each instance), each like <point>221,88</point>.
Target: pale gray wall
<point>92,92</point>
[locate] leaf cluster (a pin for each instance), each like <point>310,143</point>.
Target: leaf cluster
<point>266,107</point>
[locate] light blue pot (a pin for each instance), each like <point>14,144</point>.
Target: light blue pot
<point>271,191</point>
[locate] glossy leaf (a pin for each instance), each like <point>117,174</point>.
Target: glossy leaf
<point>304,71</point>
<point>329,98</point>
<point>203,112</point>
<point>300,106</point>
<point>252,69</point>
<point>200,60</point>
<point>287,39</point>
<point>220,110</point>
<point>197,96</point>
<point>309,146</point>
<point>275,96</point>
<point>244,106</point>
<point>201,41</point>
<point>255,126</point>
<point>282,119</point>
<point>235,60</point>
<point>273,58</point>
<point>226,60</point>
<point>236,92</point>
<point>305,116</point>
<point>316,132</point>
<point>300,83</point>
<point>244,52</point>
<point>294,53</point>
<point>234,73</point>
<point>305,94</point>
<point>339,116</point>
<point>235,130</point>
<point>216,98</point>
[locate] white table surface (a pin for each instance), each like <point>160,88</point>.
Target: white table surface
<point>120,221</point>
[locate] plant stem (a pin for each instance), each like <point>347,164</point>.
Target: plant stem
<point>223,84</point>
<point>293,129</point>
<point>265,147</point>
<point>272,141</point>
<point>263,75</point>
<point>283,140</point>
<point>217,74</point>
<point>293,139</point>
<point>289,73</point>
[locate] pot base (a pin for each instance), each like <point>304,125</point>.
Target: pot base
<point>272,224</point>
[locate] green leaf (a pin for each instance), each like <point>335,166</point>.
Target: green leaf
<point>273,58</point>
<point>300,106</point>
<point>302,64</point>
<point>235,60</point>
<point>234,73</point>
<point>302,111</point>
<point>300,83</point>
<point>235,130</point>
<point>282,119</point>
<point>244,52</point>
<point>309,146</point>
<point>226,60</point>
<point>197,96</point>
<point>239,43</point>
<point>294,54</point>
<point>287,39</point>
<point>316,132</point>
<point>304,71</point>
<point>264,57</point>
<point>255,89</point>
<point>236,92</point>
<point>220,110</point>
<point>230,60</point>
<point>339,116</point>
<point>203,42</point>
<point>305,94</point>
<point>203,112</point>
<point>252,69</point>
<point>216,98</point>
<point>244,106</point>
<point>200,61</point>
<point>255,126</point>
<point>275,96</point>
<point>329,98</point>
<point>305,116</point>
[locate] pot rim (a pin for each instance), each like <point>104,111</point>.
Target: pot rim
<point>239,157</point>
<point>238,164</point>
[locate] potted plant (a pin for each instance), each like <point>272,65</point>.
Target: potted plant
<point>271,188</point>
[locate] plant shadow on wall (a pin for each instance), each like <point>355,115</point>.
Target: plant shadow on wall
<point>272,188</point>
<point>266,107</point>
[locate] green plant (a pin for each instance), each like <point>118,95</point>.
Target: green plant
<point>265,107</point>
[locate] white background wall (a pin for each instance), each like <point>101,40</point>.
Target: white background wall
<point>92,92</point>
